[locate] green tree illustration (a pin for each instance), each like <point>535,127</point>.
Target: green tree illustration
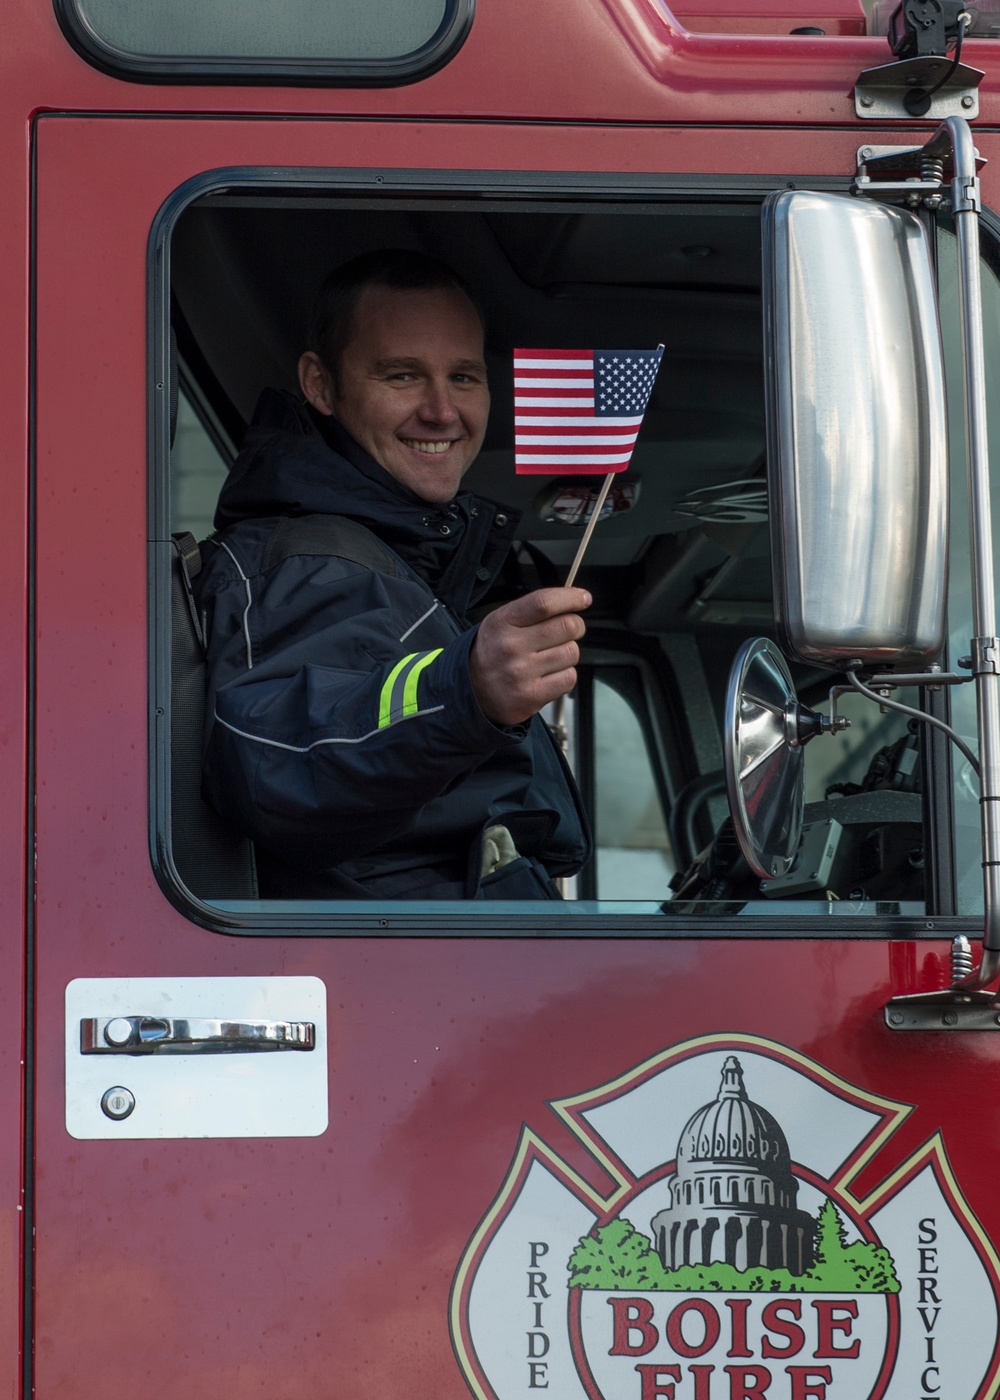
<point>724,1278</point>
<point>616,1256</point>
<point>831,1263</point>
<point>840,1267</point>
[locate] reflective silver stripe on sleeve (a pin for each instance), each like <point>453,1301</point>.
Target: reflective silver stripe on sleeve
<point>246,610</point>
<point>433,608</point>
<point>316,743</point>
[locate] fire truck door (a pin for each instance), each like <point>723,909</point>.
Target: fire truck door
<point>413,1190</point>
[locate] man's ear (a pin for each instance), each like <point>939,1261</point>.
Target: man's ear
<point>315,383</point>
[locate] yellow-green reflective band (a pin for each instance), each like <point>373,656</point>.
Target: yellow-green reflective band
<point>410,689</point>
<point>385,698</point>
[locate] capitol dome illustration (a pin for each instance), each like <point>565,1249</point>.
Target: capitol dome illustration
<point>733,1198</point>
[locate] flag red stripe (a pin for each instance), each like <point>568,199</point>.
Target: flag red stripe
<point>535,354</point>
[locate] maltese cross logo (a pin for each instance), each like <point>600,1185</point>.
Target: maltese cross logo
<point>731,1261</point>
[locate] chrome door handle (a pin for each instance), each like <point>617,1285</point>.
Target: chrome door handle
<point>166,1035</point>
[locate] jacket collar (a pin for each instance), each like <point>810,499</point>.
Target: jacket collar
<point>295,462</point>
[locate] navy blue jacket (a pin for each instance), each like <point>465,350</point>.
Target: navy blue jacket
<point>344,736</point>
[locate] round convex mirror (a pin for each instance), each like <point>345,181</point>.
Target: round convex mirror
<point>763,758</point>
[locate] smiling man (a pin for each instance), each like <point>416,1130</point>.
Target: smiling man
<point>410,383</point>
<point>370,741</point>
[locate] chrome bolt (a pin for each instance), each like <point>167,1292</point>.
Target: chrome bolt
<point>968,101</point>
<point>867,100</point>
<point>896,1018</point>
<point>950,1018</point>
<point>866,151</point>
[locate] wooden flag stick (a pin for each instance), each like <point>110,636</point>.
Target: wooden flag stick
<point>595,515</point>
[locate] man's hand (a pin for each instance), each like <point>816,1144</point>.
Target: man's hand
<point>526,652</point>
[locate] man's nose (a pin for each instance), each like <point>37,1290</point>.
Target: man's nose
<point>437,405</point>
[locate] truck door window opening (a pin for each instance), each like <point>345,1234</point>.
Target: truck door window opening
<point>681,575</point>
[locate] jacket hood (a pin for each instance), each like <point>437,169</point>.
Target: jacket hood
<point>295,462</point>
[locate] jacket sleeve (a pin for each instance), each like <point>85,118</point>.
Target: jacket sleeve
<point>332,718</point>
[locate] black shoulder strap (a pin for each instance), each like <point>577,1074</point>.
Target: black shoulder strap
<point>332,535</point>
<point>213,859</point>
<point>188,566</point>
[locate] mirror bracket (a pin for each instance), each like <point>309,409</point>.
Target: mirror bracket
<point>985,658</point>
<point>932,680</point>
<point>880,93</point>
<point>959,1007</point>
<point>918,175</point>
<point>944,1014</point>
<point>803,724</point>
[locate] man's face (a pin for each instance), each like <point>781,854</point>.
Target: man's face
<point>411,387</point>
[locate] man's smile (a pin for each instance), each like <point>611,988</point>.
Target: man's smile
<point>430,445</point>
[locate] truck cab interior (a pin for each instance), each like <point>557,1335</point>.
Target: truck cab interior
<point>680,572</point>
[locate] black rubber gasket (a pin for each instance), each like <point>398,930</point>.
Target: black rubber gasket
<point>286,72</point>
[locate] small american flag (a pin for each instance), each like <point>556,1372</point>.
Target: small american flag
<point>578,412</point>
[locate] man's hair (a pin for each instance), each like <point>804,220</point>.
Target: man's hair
<point>331,324</point>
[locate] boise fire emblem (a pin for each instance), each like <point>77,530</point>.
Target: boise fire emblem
<point>730,1257</point>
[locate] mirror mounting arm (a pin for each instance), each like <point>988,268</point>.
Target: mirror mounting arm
<point>878,689</point>
<point>932,679</point>
<point>965,206</point>
<point>803,724</point>
<point>951,149</point>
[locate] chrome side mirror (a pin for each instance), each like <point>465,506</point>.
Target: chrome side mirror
<point>857,431</point>
<point>765,732</point>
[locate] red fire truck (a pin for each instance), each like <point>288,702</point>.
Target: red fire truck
<point>722,1123</point>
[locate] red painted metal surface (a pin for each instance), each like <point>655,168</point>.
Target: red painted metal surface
<point>322,1267</point>
<point>528,58</point>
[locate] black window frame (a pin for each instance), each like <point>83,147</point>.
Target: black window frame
<point>455,189</point>
<point>284,72</point>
